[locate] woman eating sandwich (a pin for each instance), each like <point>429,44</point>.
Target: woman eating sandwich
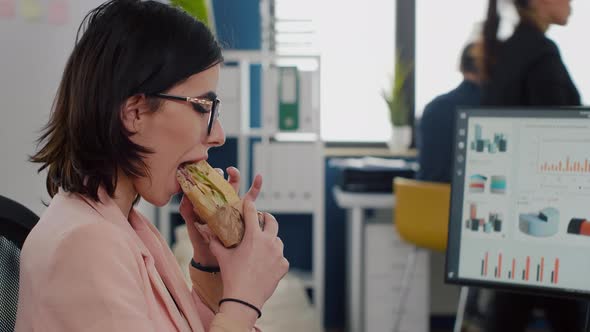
<point>136,104</point>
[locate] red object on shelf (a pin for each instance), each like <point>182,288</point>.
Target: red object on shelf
<point>585,228</point>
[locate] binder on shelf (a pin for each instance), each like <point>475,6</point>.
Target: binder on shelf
<point>229,92</point>
<point>270,97</point>
<point>288,98</point>
<point>308,101</point>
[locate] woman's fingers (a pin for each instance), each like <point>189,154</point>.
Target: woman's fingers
<point>217,249</point>
<point>191,219</point>
<point>220,171</point>
<point>261,220</point>
<point>234,178</point>
<point>186,210</point>
<point>271,226</point>
<point>254,190</point>
<point>280,244</point>
<point>205,232</point>
<point>250,218</point>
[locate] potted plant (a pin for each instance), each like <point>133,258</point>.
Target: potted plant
<point>199,9</point>
<point>399,109</point>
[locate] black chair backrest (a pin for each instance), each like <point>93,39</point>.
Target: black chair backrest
<point>16,221</point>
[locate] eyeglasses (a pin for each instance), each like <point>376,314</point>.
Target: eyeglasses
<point>200,104</point>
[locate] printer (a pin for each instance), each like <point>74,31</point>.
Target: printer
<point>372,174</point>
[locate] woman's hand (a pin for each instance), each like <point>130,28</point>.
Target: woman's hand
<point>199,234</point>
<point>251,271</point>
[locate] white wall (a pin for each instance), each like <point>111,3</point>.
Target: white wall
<point>33,53</point>
<point>356,42</point>
<point>573,44</point>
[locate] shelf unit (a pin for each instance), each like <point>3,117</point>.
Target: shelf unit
<point>291,162</point>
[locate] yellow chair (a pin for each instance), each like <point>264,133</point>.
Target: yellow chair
<point>421,217</point>
<point>421,214</point>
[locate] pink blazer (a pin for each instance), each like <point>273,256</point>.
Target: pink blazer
<point>85,267</point>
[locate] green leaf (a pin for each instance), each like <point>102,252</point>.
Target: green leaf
<point>195,8</point>
<point>399,110</point>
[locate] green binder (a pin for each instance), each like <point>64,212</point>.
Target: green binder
<point>288,98</point>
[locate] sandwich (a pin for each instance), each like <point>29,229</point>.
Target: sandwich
<point>215,202</point>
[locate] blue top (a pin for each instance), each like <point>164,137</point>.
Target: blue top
<point>435,134</point>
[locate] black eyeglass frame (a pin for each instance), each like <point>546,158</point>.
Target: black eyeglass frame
<point>198,103</point>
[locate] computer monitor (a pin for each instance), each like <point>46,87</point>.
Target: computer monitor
<point>520,200</point>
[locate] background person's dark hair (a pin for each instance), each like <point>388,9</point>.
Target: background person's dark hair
<point>490,33</point>
<point>128,47</point>
<point>468,63</point>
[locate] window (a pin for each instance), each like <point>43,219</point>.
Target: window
<point>442,30</point>
<point>572,40</point>
<point>355,40</point>
<point>440,39</point>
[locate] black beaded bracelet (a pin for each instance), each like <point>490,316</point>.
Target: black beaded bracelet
<point>210,269</point>
<point>242,302</point>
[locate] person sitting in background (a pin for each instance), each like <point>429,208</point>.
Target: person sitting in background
<point>435,138</point>
<point>121,126</point>
<point>435,135</point>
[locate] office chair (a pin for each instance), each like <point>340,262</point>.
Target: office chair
<point>16,221</point>
<point>421,217</point>
<point>421,214</point>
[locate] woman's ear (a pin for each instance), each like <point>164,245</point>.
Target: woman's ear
<point>134,112</point>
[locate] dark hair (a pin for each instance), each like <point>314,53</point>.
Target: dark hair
<point>468,62</point>
<point>128,47</point>
<point>490,34</point>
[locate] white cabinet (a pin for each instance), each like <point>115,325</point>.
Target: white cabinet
<point>292,176</point>
<point>385,259</point>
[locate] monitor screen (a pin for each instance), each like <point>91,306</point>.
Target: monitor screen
<point>520,201</point>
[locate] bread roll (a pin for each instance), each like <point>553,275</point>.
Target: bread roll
<point>215,201</point>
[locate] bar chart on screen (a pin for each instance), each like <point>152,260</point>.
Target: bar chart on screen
<point>525,269</point>
<point>564,157</point>
<point>567,166</point>
<point>555,161</point>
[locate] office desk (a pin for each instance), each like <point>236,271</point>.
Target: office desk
<point>357,203</point>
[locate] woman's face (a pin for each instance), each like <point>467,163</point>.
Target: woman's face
<point>176,133</point>
<point>556,11</point>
